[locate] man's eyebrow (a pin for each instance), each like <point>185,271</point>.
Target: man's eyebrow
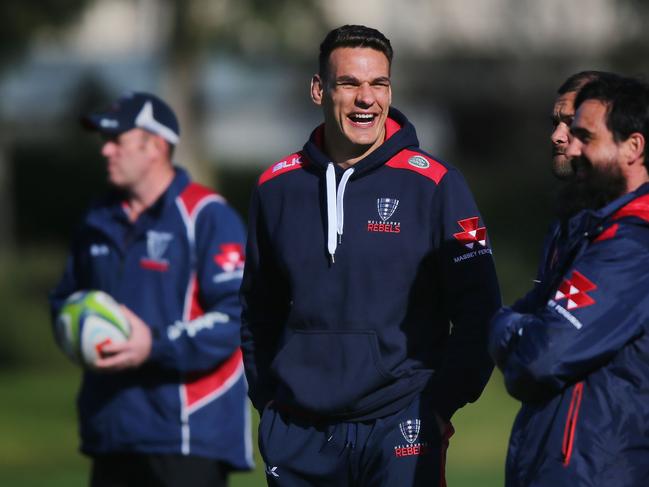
<point>346,78</point>
<point>381,79</point>
<point>563,115</point>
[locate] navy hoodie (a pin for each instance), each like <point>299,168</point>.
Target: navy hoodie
<point>364,287</point>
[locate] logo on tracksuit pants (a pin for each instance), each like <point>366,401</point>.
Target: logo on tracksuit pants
<point>410,431</point>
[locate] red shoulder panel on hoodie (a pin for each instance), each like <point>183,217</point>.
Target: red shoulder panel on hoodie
<point>419,163</point>
<point>289,163</point>
<point>195,195</point>
<point>639,207</point>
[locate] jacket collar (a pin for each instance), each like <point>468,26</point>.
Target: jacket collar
<point>592,222</point>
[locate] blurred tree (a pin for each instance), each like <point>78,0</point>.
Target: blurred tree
<point>253,27</point>
<point>20,20</point>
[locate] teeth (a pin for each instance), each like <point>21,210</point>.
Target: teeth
<point>362,117</point>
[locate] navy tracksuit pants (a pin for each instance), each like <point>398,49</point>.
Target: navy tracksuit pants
<point>405,449</point>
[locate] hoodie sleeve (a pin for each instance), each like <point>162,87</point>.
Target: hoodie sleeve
<point>471,296</point>
<point>599,307</point>
<point>208,334</point>
<point>265,303</point>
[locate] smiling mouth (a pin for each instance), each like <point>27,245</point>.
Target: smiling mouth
<point>362,119</point>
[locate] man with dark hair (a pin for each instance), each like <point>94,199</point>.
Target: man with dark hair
<point>168,406</point>
<point>562,115</point>
<point>576,351</point>
<point>362,250</point>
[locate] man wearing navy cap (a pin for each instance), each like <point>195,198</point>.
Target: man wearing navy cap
<point>167,407</point>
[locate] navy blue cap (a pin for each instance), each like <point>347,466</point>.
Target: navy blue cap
<point>136,110</point>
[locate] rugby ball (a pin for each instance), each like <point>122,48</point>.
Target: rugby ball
<point>88,321</point>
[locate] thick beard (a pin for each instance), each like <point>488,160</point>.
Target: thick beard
<point>596,189</point>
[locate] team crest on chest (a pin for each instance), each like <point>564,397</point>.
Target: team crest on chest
<point>385,207</point>
<point>157,244</point>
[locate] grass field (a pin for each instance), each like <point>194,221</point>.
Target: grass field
<point>38,437</point>
<point>38,433</point>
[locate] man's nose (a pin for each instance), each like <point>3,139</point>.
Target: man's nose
<point>364,95</point>
<point>108,148</point>
<point>560,135</point>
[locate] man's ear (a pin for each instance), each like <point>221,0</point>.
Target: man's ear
<point>317,89</point>
<point>159,145</point>
<point>634,148</point>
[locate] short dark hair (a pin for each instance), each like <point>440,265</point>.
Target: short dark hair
<point>577,81</point>
<point>627,103</point>
<point>353,36</point>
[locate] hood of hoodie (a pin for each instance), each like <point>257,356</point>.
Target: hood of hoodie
<point>399,134</point>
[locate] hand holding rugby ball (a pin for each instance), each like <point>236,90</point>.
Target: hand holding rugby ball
<point>88,321</point>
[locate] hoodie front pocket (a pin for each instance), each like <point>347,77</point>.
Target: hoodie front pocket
<point>330,371</point>
<point>571,422</point>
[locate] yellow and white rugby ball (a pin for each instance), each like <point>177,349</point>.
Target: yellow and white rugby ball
<point>87,322</point>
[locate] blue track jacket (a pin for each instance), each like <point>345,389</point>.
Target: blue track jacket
<point>354,276</point>
<point>575,351</point>
<point>179,268</point>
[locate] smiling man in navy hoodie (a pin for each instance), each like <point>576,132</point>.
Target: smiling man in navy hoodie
<point>368,288</point>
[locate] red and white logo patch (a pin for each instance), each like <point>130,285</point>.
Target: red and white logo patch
<point>231,257</point>
<point>574,290</point>
<point>473,233</point>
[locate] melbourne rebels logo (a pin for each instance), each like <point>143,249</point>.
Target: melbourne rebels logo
<point>385,208</point>
<point>574,290</point>
<point>410,429</point>
<point>156,245</point>
<point>410,432</point>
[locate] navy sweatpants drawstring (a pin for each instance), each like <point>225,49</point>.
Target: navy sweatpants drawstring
<point>350,439</point>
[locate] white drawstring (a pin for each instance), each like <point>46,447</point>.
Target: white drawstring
<point>335,208</point>
<point>331,210</point>
<point>339,201</point>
